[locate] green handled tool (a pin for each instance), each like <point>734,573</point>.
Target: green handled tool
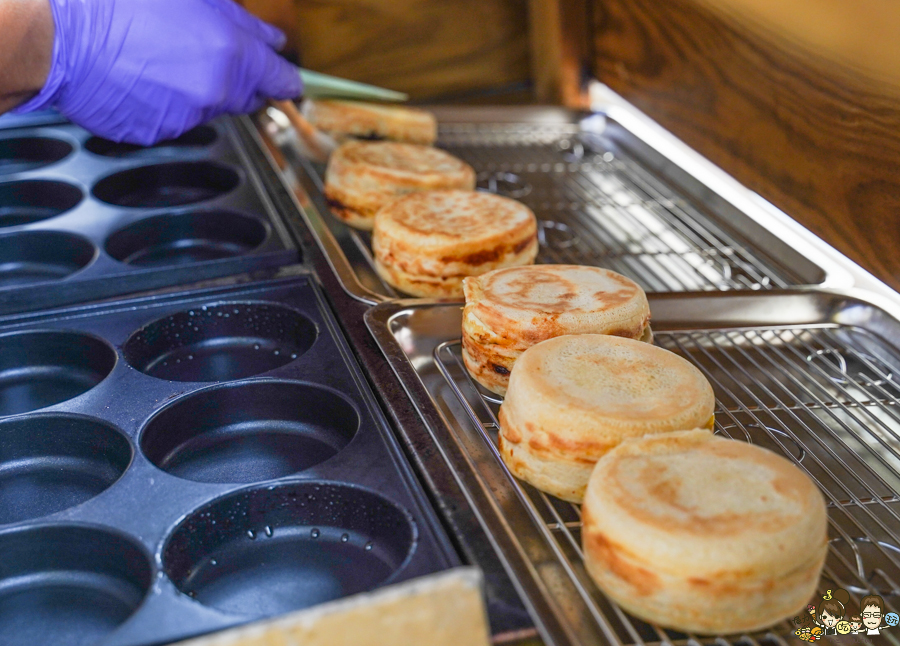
<point>322,86</point>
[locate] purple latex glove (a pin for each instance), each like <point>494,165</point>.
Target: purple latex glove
<point>144,70</point>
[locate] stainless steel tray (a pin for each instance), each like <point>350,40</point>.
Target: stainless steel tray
<point>602,197</point>
<point>811,374</point>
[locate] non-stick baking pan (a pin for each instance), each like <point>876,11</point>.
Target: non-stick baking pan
<point>83,218</point>
<point>178,464</point>
<point>811,374</point>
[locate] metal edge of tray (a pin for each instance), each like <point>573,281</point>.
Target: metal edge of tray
<point>272,139</point>
<point>265,177</point>
<point>333,236</point>
<point>297,177</point>
<point>513,556</point>
<point>300,180</point>
<point>337,240</point>
<point>531,556</point>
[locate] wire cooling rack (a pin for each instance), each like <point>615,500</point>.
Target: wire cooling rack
<point>598,203</point>
<point>600,206</point>
<point>825,396</point>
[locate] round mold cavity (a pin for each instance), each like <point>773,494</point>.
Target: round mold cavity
<point>220,342</point>
<point>166,185</point>
<point>271,550</point>
<point>52,462</point>
<point>38,256</point>
<point>249,432</point>
<point>39,369</point>
<point>20,154</point>
<point>30,201</point>
<point>68,584</point>
<point>186,238</point>
<point>200,137</point>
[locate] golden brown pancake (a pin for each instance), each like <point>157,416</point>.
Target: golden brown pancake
<point>425,244</point>
<point>363,176</point>
<point>703,534</point>
<point>572,399</point>
<point>344,120</point>
<point>509,310</point>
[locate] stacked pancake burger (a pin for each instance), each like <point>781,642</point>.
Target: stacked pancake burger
<point>509,310</point>
<point>363,176</point>
<point>572,399</point>
<point>345,120</point>
<point>425,244</point>
<point>703,534</point>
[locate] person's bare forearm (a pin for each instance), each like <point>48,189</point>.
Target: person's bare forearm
<point>26,49</point>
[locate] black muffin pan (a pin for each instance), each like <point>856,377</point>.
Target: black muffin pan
<point>179,464</point>
<point>84,218</point>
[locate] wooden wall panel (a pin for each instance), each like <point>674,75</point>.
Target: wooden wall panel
<point>808,120</point>
<point>560,51</point>
<point>425,47</point>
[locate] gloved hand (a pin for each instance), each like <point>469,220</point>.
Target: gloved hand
<point>144,70</point>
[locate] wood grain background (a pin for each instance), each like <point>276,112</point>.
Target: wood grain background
<point>560,40</point>
<point>428,48</point>
<point>813,125</point>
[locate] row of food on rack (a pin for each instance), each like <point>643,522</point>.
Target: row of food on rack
<point>430,227</point>
<point>680,527</point>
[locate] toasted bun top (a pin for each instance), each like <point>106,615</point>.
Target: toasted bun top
<point>698,505</point>
<point>439,218</point>
<point>361,119</point>
<point>623,381</point>
<point>398,159</point>
<point>530,304</point>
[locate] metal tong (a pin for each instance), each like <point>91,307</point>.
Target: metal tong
<point>316,85</point>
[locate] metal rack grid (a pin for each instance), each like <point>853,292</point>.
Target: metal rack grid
<point>826,396</point>
<point>598,206</point>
